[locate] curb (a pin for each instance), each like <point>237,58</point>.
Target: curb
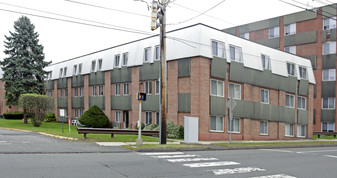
<point>15,129</point>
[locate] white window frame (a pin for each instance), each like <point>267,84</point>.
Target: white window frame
<point>274,32</point>
<point>125,59</point>
<point>264,128</point>
<point>118,116</point>
<point>81,112</point>
<point>329,75</point>
<point>292,97</point>
<point>290,129</point>
<point>219,49</point>
<point>148,87</point>
<point>75,91</point>
<point>245,35</point>
<point>290,49</point>
<point>299,131</point>
<point>75,69</point>
<point>219,124</point>
<point>117,89</point>
<point>291,69</point>
<point>94,90</point>
<point>329,47</point>
<point>157,92</point>
<point>289,29</point>
<point>65,72</point>
<point>100,90</point>
<point>264,93</point>
<point>66,92</point>
<point>235,94</point>
<point>61,73</point>
<point>80,93</point>
<point>93,66</point>
<point>237,127</point>
<point>79,68</point>
<point>125,88</point>
<point>117,59</point>
<point>99,64</point>
<point>329,99</point>
<point>147,55</point>
<point>50,75</point>
<point>76,113</point>
<point>220,84</point>
<point>148,117</point>
<point>329,23</point>
<point>157,53</point>
<point>235,53</point>
<point>157,118</point>
<point>300,103</point>
<point>303,72</point>
<point>328,126</point>
<point>265,59</point>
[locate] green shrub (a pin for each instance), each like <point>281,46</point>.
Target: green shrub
<point>172,130</point>
<point>150,127</point>
<point>50,117</point>
<point>13,115</point>
<point>94,117</point>
<point>181,132</point>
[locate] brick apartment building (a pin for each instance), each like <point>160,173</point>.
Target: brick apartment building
<point>310,34</point>
<point>274,90</point>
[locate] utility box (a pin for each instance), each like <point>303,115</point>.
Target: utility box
<point>191,129</point>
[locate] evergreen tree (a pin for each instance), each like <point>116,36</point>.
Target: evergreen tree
<point>24,64</point>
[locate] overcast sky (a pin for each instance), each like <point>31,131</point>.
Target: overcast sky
<point>65,40</point>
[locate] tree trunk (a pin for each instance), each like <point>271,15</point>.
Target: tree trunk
<point>25,121</point>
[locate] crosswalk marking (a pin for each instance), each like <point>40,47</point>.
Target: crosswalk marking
<point>173,156</point>
<point>276,176</point>
<point>236,170</point>
<point>191,159</point>
<point>162,153</point>
<point>331,156</point>
<point>210,164</point>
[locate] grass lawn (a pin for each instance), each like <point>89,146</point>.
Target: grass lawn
<point>324,137</point>
<point>55,128</point>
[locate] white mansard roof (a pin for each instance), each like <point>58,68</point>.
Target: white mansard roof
<point>190,41</point>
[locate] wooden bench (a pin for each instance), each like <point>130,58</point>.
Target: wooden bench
<point>86,131</point>
<point>325,133</point>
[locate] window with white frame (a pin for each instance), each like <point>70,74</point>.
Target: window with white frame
<point>328,103</point>
<point>117,89</point>
<point>217,88</point>
<point>329,23</point>
<point>290,29</point>
<point>218,49</point>
<point>157,118</point>
<point>329,74</point>
<point>329,47</point>
<point>147,54</point>
<point>100,64</point>
<point>79,68</point>
<point>148,117</point>
<point>263,127</point>
<point>61,92</point>
<point>126,89</point>
<point>157,87</point>
<point>300,130</point>
<point>245,35</point>
<point>290,49</point>
<point>235,127</point>
<point>328,127</point>
<point>65,92</point>
<point>81,112</point>
<point>235,53</point>
<point>303,72</point>
<point>291,69</point>
<point>125,59</point>
<point>274,32</point>
<point>290,101</point>
<point>80,93</point>
<point>265,62</point>
<point>61,72</point>
<point>217,123</point>
<point>234,90</point>
<point>75,91</point>
<point>289,130</point>
<point>100,90</point>
<point>65,72</point>
<point>264,96</point>
<point>76,113</point>
<point>148,87</point>
<point>75,69</point>
<point>301,103</point>
<point>93,66</point>
<point>50,75</point>
<point>94,93</point>
<point>157,53</point>
<point>116,62</point>
<point>118,116</point>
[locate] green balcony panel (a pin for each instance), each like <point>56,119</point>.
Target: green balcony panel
<point>184,102</point>
<point>96,78</point>
<point>303,88</point>
<point>62,102</point>
<point>77,102</point>
<point>121,75</point>
<point>302,117</point>
<point>149,71</point>
<point>327,115</point>
<point>328,35</point>
<point>230,30</point>
<point>274,22</point>
<point>328,88</point>
<point>300,38</point>
<point>218,105</point>
<point>313,60</point>
<point>121,103</point>
<point>218,67</point>
<point>329,11</point>
<point>49,84</point>
<point>329,61</point>
<point>299,16</point>
<point>62,83</point>
<point>273,42</point>
<point>151,103</point>
<point>77,81</point>
<point>184,67</point>
<point>98,101</point>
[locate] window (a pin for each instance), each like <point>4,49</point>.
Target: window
<point>218,49</point>
<point>157,87</point>
<point>329,23</point>
<point>303,72</point>
<point>94,90</point>
<point>235,53</point>
<point>329,74</point>
<point>125,59</point>
<point>75,70</point>
<point>234,90</point>
<point>290,101</point>
<point>81,112</point>
<point>100,64</point>
<point>61,92</point>
<point>126,89</point>
<point>265,62</point>
<point>328,103</point>
<point>50,75</point>
<point>157,53</point>
<point>291,69</point>
<point>79,68</point>
<point>65,72</point>
<point>301,103</point>
<point>118,89</point>
<point>100,90</point>
<point>116,62</point>
<point>76,113</point>
<point>148,87</point>
<point>245,35</point>
<point>217,123</point>
<point>263,127</point>
<point>300,130</point>
<point>274,32</point>
<point>290,49</point>
<point>147,54</point>
<point>217,88</point>
<point>81,91</point>
<point>61,72</point>
<point>328,127</point>
<point>65,92</point>
<point>329,47</point>
<point>235,125</point>
<point>75,92</point>
<point>290,29</point>
<point>264,96</point>
<point>93,66</point>
<point>157,118</point>
<point>289,130</point>
<point>118,116</point>
<point>148,118</point>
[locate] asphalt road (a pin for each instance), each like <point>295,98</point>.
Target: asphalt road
<point>50,157</point>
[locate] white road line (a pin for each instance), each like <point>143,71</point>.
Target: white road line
<point>236,170</point>
<point>3,141</point>
<point>331,156</point>
<point>191,159</point>
<point>316,151</point>
<point>174,156</point>
<point>210,164</point>
<point>162,153</point>
<point>276,176</point>
<point>276,150</point>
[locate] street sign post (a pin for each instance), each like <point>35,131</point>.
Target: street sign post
<point>141,97</point>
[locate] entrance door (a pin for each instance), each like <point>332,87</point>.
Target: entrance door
<point>126,119</point>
